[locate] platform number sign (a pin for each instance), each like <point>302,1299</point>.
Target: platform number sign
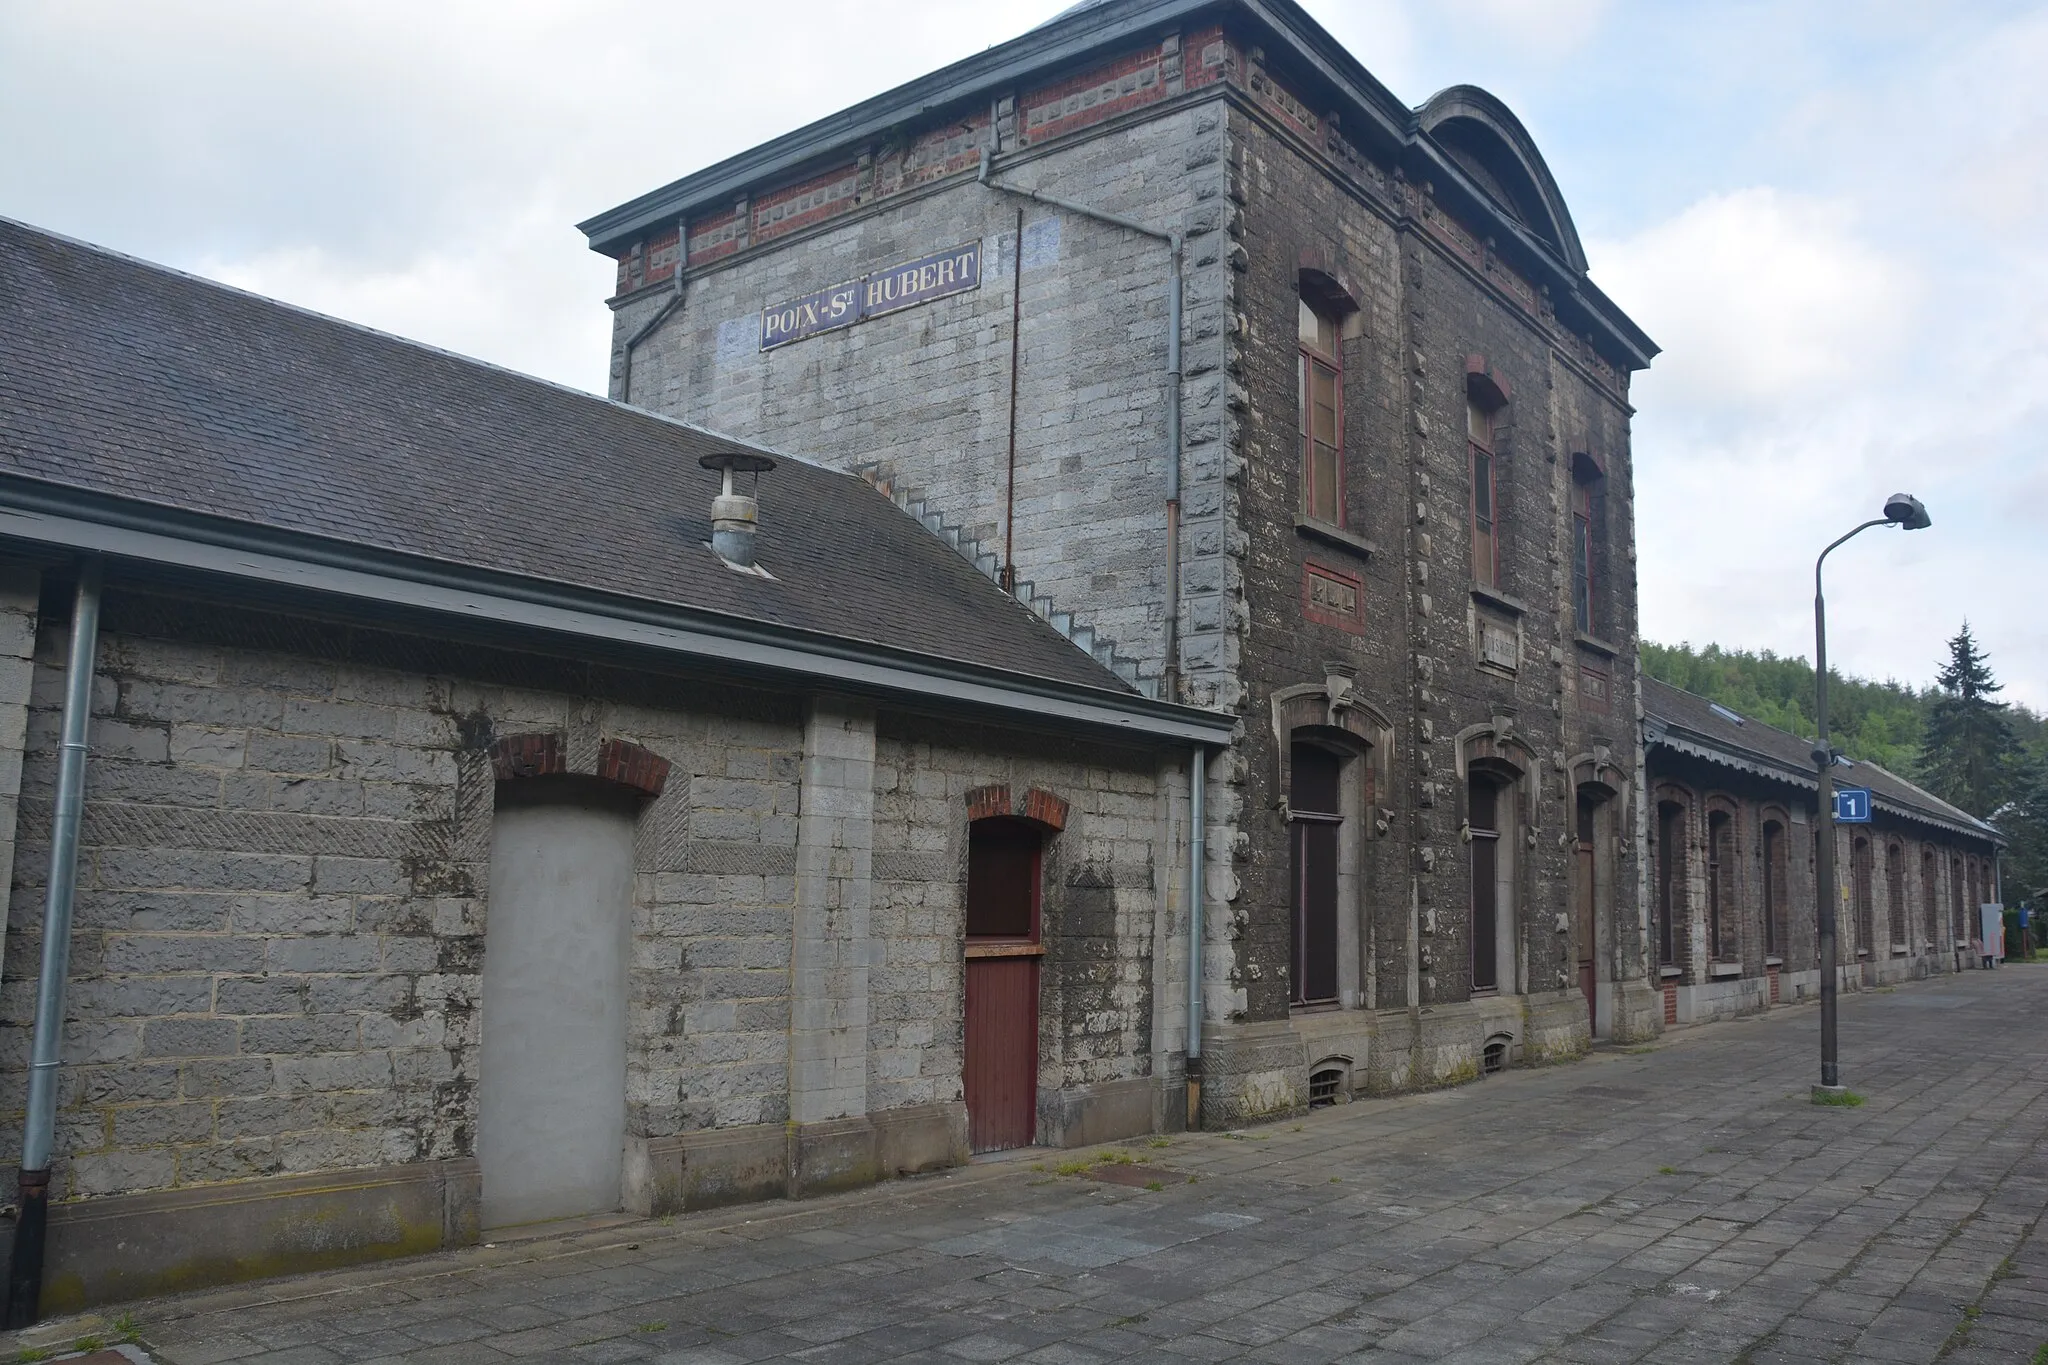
<point>1852,806</point>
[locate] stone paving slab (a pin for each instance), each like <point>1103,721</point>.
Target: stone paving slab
<point>1677,1203</point>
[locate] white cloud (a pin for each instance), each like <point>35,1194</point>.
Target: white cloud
<point>1551,28</point>
<point>1760,297</point>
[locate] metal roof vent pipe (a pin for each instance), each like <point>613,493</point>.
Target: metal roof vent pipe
<point>735,516</point>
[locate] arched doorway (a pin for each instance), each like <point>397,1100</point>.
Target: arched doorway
<point>1005,947</point>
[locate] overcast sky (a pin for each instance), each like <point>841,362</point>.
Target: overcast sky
<point>1828,215</point>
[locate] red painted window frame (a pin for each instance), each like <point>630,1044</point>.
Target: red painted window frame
<point>1584,575</point>
<point>1306,359</point>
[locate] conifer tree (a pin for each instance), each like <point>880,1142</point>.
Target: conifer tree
<point>1969,738</point>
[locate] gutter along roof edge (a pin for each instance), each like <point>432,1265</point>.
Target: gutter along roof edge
<point>1710,750</point>
<point>45,515</point>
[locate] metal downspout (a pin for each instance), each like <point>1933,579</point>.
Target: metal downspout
<point>25,1264</point>
<point>1198,842</point>
<point>1169,672</point>
<point>675,301</point>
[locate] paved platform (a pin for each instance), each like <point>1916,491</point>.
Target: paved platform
<point>1676,1203</point>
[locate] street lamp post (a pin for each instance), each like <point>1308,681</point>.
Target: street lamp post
<point>1905,512</point>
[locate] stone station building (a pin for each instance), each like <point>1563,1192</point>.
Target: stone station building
<point>466,843</point>
<point>1732,847</point>
<point>1284,399</point>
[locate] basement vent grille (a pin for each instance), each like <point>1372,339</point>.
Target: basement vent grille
<point>1325,1086</point>
<point>1495,1057</point>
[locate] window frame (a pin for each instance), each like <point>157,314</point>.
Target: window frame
<point>1585,572</point>
<point>1476,404</point>
<point>1307,358</point>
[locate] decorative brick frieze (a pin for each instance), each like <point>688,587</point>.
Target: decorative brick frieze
<point>806,202</point>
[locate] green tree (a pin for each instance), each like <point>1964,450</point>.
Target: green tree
<point>1969,747</point>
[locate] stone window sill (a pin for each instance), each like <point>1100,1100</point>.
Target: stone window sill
<point>1863,952</point>
<point>1720,970</point>
<point>1774,962</point>
<point>1900,950</point>
<point>1597,645</point>
<point>1669,973</point>
<point>1494,597</point>
<point>1335,535</point>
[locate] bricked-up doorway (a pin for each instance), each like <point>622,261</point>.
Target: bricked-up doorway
<point>1005,859</point>
<point>1315,811</point>
<point>1591,891</point>
<point>552,1088</point>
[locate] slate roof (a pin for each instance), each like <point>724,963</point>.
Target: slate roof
<point>1688,723</point>
<point>133,380</point>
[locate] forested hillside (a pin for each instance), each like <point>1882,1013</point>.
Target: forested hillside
<point>1914,733</point>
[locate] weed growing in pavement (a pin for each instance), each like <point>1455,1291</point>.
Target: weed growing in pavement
<point>2041,1354</point>
<point>1160,1142</point>
<point>1336,1180</point>
<point>1848,1099</point>
<point>1126,1322</point>
<point>28,1354</point>
<point>126,1328</point>
<point>1154,1186</point>
<point>1072,1167</point>
<point>1637,1051</point>
<point>1667,1170</point>
<point>654,1327</point>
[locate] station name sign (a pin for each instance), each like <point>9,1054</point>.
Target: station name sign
<point>954,271</point>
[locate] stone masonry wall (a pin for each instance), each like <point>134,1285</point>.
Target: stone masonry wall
<point>1422,314</point>
<point>280,921</point>
<point>1101,907</point>
<point>280,917</point>
<point>925,391</point>
<point>19,592</point>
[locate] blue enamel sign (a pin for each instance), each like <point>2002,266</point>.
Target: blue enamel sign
<point>1852,806</point>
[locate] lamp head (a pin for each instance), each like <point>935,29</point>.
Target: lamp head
<point>1906,512</point>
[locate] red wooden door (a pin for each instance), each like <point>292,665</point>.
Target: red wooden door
<point>1002,1051</point>
<point>1000,1075</point>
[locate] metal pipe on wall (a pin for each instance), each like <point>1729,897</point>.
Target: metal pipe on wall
<point>1198,844</point>
<point>1169,672</point>
<point>25,1263</point>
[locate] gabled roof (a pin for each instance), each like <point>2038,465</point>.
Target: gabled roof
<point>136,394</point>
<point>1687,723</point>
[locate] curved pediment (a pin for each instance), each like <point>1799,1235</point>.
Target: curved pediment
<point>1490,145</point>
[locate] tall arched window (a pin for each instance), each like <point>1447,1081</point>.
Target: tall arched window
<point>1775,888</point>
<point>1720,885</point>
<point>1895,890</point>
<point>1490,908</point>
<point>1670,878</point>
<point>1959,907</point>
<point>1930,908</point>
<point>1862,872</point>
<point>1315,823</point>
<point>1321,381</point>
<point>1482,413</point>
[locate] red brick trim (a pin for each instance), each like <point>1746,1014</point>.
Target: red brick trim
<point>632,765</point>
<point>986,803</point>
<point>532,755</point>
<point>1045,808</point>
<point>1490,384</point>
